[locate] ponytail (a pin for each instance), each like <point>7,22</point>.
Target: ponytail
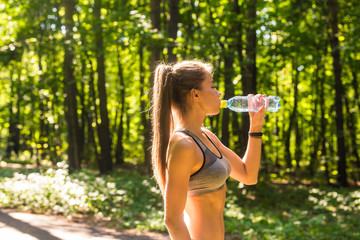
<point>162,123</point>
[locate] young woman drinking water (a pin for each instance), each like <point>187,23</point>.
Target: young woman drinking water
<point>190,164</point>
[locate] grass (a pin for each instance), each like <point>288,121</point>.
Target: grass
<point>126,199</point>
<point>278,211</point>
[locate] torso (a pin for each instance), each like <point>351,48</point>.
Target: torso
<point>205,210</point>
<point>206,215</point>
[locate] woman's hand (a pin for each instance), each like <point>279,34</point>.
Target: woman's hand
<point>257,118</point>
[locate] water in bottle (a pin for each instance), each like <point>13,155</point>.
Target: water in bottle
<point>251,103</point>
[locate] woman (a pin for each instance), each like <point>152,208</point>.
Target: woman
<point>190,164</point>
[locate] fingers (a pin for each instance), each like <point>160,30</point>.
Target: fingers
<point>256,102</point>
<point>257,95</point>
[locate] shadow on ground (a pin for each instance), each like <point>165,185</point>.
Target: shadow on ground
<point>27,226</point>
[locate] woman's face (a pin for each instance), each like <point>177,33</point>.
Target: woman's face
<point>209,96</point>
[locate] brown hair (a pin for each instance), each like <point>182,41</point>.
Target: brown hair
<point>172,84</point>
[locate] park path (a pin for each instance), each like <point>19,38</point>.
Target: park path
<point>16,225</point>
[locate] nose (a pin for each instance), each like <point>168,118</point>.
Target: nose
<point>219,94</point>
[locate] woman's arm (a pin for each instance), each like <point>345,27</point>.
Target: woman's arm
<point>181,159</point>
<point>245,170</point>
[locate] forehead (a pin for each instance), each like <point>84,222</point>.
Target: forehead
<point>208,77</point>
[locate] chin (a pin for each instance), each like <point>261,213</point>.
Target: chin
<point>214,113</point>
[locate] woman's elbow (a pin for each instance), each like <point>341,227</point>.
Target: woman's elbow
<point>247,180</point>
<point>251,181</point>
<point>170,221</point>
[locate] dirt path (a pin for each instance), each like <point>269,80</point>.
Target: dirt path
<point>27,226</point>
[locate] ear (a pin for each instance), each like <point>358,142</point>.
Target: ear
<point>195,95</point>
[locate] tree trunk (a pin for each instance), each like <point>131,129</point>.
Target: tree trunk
<point>84,141</point>
<point>155,14</point>
<point>314,161</point>
<point>14,131</point>
<point>71,90</point>
<point>354,68</point>
<point>356,104</point>
<point>91,116</point>
<point>154,60</point>
<point>127,121</point>
<point>144,120</point>
<point>323,123</point>
<point>190,30</point>
<point>298,140</point>
<point>237,31</point>
<point>229,92</point>
<point>356,100</point>
<point>248,69</point>
<point>119,152</point>
<point>17,115</point>
<point>351,123</point>
<point>173,28</point>
<point>42,135</point>
<point>355,86</point>
<point>32,115</point>
<point>335,52</point>
<point>105,164</point>
<point>293,118</point>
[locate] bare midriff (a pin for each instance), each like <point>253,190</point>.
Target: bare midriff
<point>206,215</point>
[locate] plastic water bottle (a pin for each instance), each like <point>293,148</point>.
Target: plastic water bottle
<point>251,103</point>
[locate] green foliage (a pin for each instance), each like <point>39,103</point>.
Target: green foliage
<point>292,43</point>
<point>293,54</point>
<point>131,200</point>
<point>284,211</point>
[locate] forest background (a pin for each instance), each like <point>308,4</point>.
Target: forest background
<point>76,78</point>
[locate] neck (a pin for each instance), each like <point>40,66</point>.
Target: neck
<point>192,121</point>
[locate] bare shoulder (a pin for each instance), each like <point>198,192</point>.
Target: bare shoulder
<point>181,141</point>
<point>182,147</point>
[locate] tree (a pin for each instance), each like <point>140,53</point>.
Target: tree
<point>229,91</point>
<point>293,116</point>
<point>14,118</point>
<point>73,129</point>
<point>105,164</point>
<point>155,49</point>
<point>119,152</point>
<point>248,67</point>
<point>173,28</point>
<point>335,52</point>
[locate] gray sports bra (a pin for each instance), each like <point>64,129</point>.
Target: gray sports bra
<point>213,173</point>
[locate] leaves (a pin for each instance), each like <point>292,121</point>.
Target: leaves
<point>127,198</point>
<point>292,42</point>
<point>279,211</point>
<point>131,200</point>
